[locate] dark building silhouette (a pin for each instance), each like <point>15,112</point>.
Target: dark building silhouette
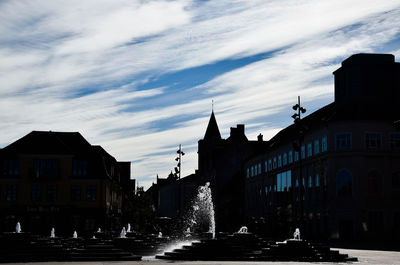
<point>57,179</point>
<point>349,160</point>
<point>220,162</point>
<point>172,196</point>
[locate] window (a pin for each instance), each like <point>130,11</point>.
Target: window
<point>344,183</point>
<point>372,140</point>
<point>289,178</point>
<point>296,156</point>
<point>10,167</point>
<point>290,158</point>
<point>269,165</point>
<point>324,144</point>
<point>316,147</point>
<point>309,149</point>
<point>76,192</point>
<point>252,171</point>
<point>374,184</point>
<point>375,221</point>
<point>279,161</point>
<point>51,193</point>
<point>274,163</point>
<point>303,152</point>
<point>284,159</point>
<point>309,181</point>
<point>247,172</point>
<point>395,141</point>
<point>79,167</point>
<point>284,180</point>
<point>343,141</point>
<point>11,193</point>
<point>259,168</point>
<point>91,193</point>
<point>45,167</point>
<point>36,193</point>
<point>279,181</point>
<point>317,180</point>
<point>265,166</point>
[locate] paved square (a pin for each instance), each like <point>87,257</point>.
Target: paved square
<point>369,257</point>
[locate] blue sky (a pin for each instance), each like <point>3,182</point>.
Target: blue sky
<point>138,77</point>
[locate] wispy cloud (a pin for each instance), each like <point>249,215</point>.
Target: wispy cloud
<point>104,68</point>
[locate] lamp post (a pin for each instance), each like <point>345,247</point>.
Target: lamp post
<point>297,147</point>
<point>178,167</point>
<point>177,174</point>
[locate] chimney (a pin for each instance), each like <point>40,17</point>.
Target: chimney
<point>238,131</point>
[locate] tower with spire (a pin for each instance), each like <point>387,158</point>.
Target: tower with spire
<point>219,162</point>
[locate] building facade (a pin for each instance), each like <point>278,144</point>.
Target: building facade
<point>220,162</point>
<point>336,173</point>
<point>57,179</point>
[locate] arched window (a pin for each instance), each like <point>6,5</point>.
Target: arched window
<point>344,183</point>
<point>374,184</point>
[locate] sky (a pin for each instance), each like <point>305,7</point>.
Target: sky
<point>138,77</point>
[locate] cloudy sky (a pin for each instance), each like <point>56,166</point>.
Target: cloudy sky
<point>138,77</point>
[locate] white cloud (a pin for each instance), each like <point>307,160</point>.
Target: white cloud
<point>51,52</point>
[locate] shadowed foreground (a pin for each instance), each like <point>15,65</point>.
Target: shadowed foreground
<point>369,257</point>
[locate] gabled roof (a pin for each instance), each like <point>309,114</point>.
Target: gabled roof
<point>48,142</point>
<point>212,132</point>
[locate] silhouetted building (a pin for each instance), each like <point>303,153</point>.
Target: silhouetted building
<point>349,186</point>
<point>172,196</point>
<point>220,162</point>
<point>57,179</point>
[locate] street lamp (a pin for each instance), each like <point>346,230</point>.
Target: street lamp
<point>178,167</point>
<point>297,147</point>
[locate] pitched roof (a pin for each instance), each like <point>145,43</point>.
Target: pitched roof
<point>48,142</point>
<point>212,131</point>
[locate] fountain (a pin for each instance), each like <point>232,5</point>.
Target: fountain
<point>202,213</point>
<point>296,235</point>
<point>243,230</point>
<point>123,233</point>
<point>52,233</point>
<point>18,228</point>
<point>128,230</point>
<point>99,230</point>
<point>75,235</point>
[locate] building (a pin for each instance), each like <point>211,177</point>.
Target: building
<point>57,179</point>
<point>220,162</point>
<point>335,173</point>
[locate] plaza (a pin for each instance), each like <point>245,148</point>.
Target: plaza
<point>370,257</point>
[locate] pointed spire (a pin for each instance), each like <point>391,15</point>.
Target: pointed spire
<point>212,131</point>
